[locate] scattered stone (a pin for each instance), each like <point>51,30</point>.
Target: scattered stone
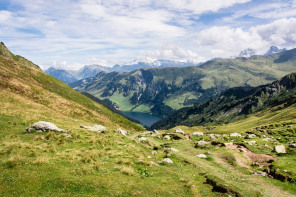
<point>266,139</point>
<point>151,162</point>
<point>179,131</point>
<point>96,128</point>
<point>202,156</point>
<point>166,160</point>
<point>171,150</point>
<point>197,134</point>
<point>152,133</point>
<point>168,154</point>
<point>228,145</point>
<point>167,137</point>
<point>67,135</point>
<point>212,136</point>
<point>260,173</point>
<point>251,142</point>
<point>280,149</point>
<point>200,143</point>
<point>121,131</point>
<point>266,145</point>
<point>154,152</point>
<point>242,150</point>
<point>235,135</point>
<point>148,157</point>
<point>142,139</point>
<point>43,126</point>
<point>292,145</point>
<point>251,136</point>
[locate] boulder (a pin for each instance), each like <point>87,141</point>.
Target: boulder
<point>167,137</point>
<point>96,128</point>
<point>202,156</point>
<point>152,133</point>
<point>197,134</point>
<point>171,150</point>
<point>228,145</point>
<point>235,135</point>
<point>251,136</point>
<point>179,131</point>
<point>43,126</point>
<point>121,131</point>
<point>292,145</point>
<point>251,142</point>
<point>201,143</point>
<point>212,136</point>
<point>280,149</point>
<point>166,160</point>
<point>260,173</point>
<point>142,139</point>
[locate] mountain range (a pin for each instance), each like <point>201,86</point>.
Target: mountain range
<point>235,104</point>
<point>161,91</point>
<point>70,76</point>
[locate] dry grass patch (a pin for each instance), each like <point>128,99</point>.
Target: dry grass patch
<point>127,170</point>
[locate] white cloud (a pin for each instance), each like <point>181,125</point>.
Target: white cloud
<point>226,41</point>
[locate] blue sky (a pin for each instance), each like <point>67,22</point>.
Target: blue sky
<point>73,33</point>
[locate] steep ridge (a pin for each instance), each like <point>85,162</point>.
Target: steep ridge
<point>161,91</point>
<point>234,104</point>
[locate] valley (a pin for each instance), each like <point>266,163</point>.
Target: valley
<point>97,152</point>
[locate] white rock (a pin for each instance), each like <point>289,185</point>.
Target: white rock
<point>235,135</point>
<point>166,160</point>
<point>202,156</point>
<point>154,152</point>
<point>197,134</point>
<point>167,137</point>
<point>250,136</point>
<point>172,150</point>
<point>266,139</point>
<point>251,142</point>
<point>212,136</point>
<point>96,128</point>
<point>179,131</point>
<point>121,131</point>
<point>43,126</point>
<point>201,143</point>
<point>142,139</point>
<point>149,157</point>
<point>280,149</point>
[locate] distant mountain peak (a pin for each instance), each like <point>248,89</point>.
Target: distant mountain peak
<point>247,52</point>
<point>274,49</point>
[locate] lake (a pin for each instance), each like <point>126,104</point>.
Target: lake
<point>145,118</point>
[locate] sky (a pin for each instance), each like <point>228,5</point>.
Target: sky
<point>72,33</point>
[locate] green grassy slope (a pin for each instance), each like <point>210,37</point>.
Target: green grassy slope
<point>161,91</point>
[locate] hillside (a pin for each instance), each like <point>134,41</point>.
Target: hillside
<point>82,162</point>
<point>160,91</point>
<point>234,104</point>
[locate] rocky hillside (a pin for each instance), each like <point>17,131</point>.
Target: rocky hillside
<point>234,104</point>
<point>162,91</point>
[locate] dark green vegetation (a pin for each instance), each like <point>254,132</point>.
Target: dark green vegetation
<point>161,91</point>
<point>235,104</point>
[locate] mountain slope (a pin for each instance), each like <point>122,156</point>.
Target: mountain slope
<point>161,91</point>
<point>234,104</point>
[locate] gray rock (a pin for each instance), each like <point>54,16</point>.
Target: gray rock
<point>96,128</point>
<point>121,131</point>
<point>251,142</point>
<point>251,136</point>
<point>179,131</point>
<point>166,160</point>
<point>292,145</point>
<point>280,149</point>
<point>212,136</point>
<point>202,156</point>
<point>43,126</point>
<point>235,135</point>
<point>142,139</point>
<point>197,134</point>
<point>154,152</point>
<point>260,173</point>
<point>167,137</point>
<point>201,143</point>
<point>171,150</point>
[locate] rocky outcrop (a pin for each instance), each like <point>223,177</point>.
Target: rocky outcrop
<point>43,126</point>
<point>179,131</point>
<point>165,160</point>
<point>96,128</point>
